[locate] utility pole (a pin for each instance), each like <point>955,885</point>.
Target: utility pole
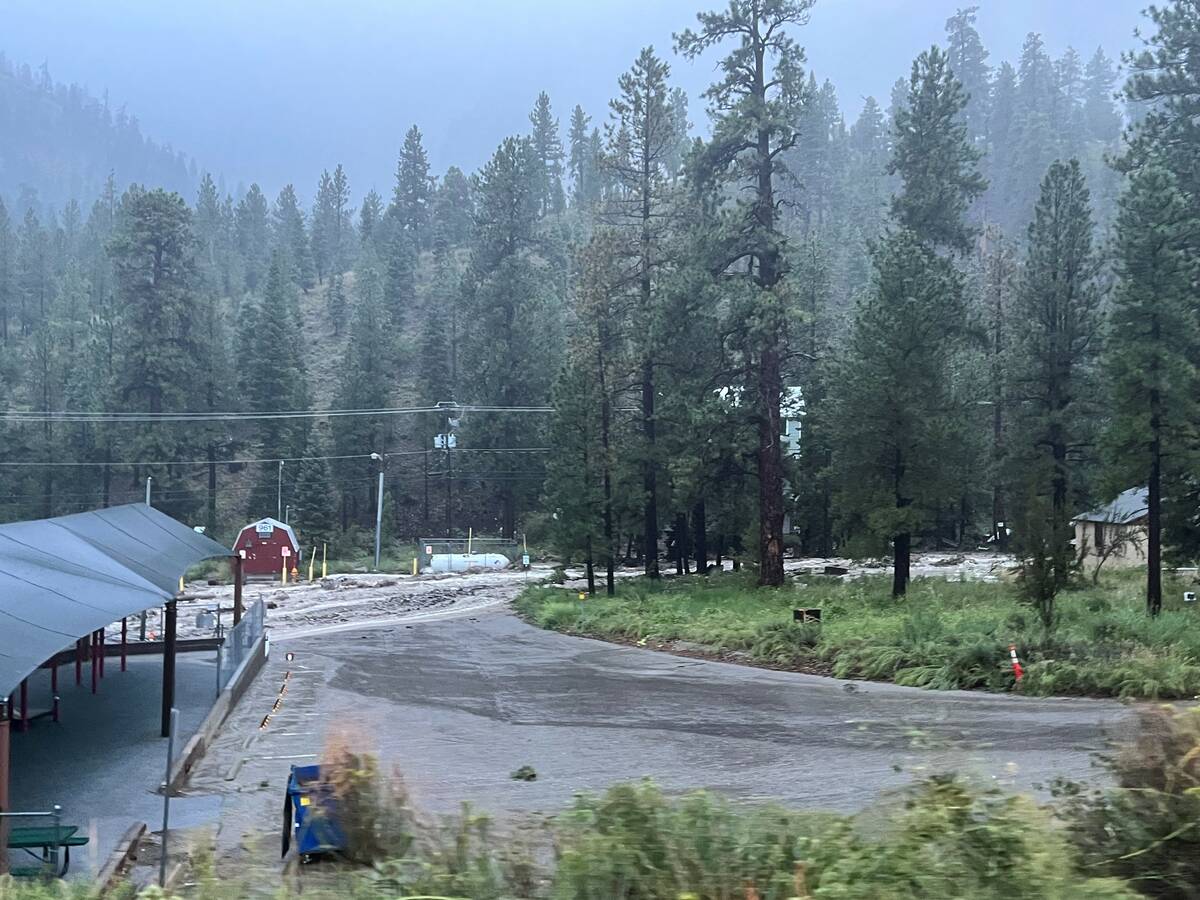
<point>279,494</point>
<point>378,509</point>
<point>425,517</point>
<point>149,478</point>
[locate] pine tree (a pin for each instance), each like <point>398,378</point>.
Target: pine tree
<point>899,417</point>
<point>547,147</point>
<point>1053,379</point>
<point>370,217</point>
<point>279,383</point>
<point>454,207</point>
<point>291,238</point>
<point>580,164</point>
<point>411,198</point>
<point>934,158</point>
<point>642,141</point>
<point>331,224</point>
<point>8,246</point>
<point>1101,117</point>
<point>754,106</point>
<point>1151,352</point>
<point>510,351</point>
<point>967,59</point>
<point>314,510</point>
<point>364,382</point>
<point>894,428</point>
<point>209,228</point>
<point>153,258</point>
<point>253,232</point>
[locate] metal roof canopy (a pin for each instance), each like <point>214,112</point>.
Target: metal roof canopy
<point>61,579</point>
<point>1129,506</point>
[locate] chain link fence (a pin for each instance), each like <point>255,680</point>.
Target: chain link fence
<point>239,641</point>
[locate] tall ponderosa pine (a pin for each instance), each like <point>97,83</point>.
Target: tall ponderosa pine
<point>153,259</point>
<point>411,197</point>
<point>1151,352</point>
<point>278,382</point>
<point>331,228</point>
<point>899,418</point>
<point>548,149</point>
<point>1053,379</point>
<point>364,382</point>
<point>510,302</point>
<point>253,231</point>
<point>291,237</point>
<point>753,107</point>
<point>642,145</point>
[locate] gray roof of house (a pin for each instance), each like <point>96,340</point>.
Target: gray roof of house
<point>1129,506</point>
<point>61,579</point>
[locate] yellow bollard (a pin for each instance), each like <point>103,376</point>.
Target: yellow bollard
<point>312,561</point>
<point>324,567</point>
<point>414,565</point>
<point>181,584</point>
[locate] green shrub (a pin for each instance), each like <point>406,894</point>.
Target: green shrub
<point>1147,828</point>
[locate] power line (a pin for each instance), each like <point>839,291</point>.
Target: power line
<point>264,459</point>
<point>139,418</point>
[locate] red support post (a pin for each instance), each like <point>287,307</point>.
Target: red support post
<point>95,664</point>
<point>54,689</point>
<point>79,661</point>
<point>101,634</point>
<point>124,637</point>
<point>24,704</point>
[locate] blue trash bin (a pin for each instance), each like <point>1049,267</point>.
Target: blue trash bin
<point>310,816</point>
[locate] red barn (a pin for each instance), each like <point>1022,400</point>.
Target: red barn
<point>265,546</point>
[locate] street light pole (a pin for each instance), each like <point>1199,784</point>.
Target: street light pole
<point>279,494</point>
<point>149,478</point>
<point>378,510</point>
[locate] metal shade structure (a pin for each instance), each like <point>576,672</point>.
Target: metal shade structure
<point>65,578</point>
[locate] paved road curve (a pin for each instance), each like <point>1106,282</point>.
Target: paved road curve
<point>459,703</point>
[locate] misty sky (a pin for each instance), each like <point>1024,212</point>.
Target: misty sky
<point>276,90</point>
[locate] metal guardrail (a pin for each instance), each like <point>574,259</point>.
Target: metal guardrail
<point>239,641</point>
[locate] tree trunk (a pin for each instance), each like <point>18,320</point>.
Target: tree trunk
<point>649,475</point>
<point>1154,509</point>
<point>700,537</point>
<point>681,551</point>
<point>770,469</point>
<point>609,549</point>
<point>901,564</point>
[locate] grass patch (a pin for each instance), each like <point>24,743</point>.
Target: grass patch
<point>945,635</point>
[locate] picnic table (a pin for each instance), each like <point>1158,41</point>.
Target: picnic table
<point>48,839</point>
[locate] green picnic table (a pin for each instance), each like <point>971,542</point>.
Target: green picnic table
<point>47,838</point>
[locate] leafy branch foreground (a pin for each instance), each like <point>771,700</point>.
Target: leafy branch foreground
<point>945,635</point>
<point>941,838</point>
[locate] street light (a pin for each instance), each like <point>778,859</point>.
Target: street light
<point>287,513</point>
<point>279,494</point>
<point>378,457</point>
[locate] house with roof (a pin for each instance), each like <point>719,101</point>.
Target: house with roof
<point>1115,534</point>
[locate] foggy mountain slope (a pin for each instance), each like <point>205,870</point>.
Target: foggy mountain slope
<point>59,143</point>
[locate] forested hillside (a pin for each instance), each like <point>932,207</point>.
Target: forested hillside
<point>60,144</point>
<point>919,291</point>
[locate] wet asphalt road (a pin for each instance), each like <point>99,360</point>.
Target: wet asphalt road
<point>460,703</point>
